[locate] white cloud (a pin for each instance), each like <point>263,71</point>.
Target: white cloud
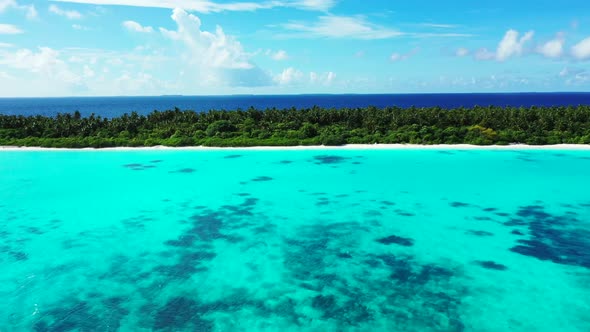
<point>78,71</point>
<point>351,27</point>
<point>575,76</point>
<point>511,45</point>
<point>214,49</point>
<point>75,59</point>
<point>323,79</point>
<point>134,26</point>
<point>137,83</point>
<point>461,52</point>
<point>80,27</point>
<point>331,26</point>
<point>295,77</point>
<point>563,72</point>
<point>5,4</point>
<point>6,76</point>
<point>484,54</point>
<point>321,5</point>
<point>207,6</point>
<point>45,62</point>
<point>438,35</point>
<point>6,45</point>
<point>581,50</point>
<point>8,4</point>
<point>88,72</point>
<point>115,62</point>
<point>9,29</point>
<point>279,55</point>
<point>289,76</point>
<point>31,12</point>
<point>216,57</point>
<point>69,14</point>
<point>396,57</point>
<point>439,26</point>
<point>575,24</point>
<point>34,62</point>
<point>552,48</point>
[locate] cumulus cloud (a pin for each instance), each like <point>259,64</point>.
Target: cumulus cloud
<point>207,6</point>
<point>80,71</point>
<point>313,4</point>
<point>31,11</point>
<point>134,26</point>
<point>461,52</point>
<point>351,27</point>
<point>214,49</point>
<point>581,51</point>
<point>88,72</point>
<point>216,56</point>
<point>438,25</point>
<point>395,57</point>
<point>80,27</point>
<point>69,14</point>
<point>289,76</point>
<point>575,76</point>
<point>484,54</point>
<point>279,55</point>
<point>567,72</point>
<point>5,4</point>
<point>45,62</point>
<point>323,79</point>
<point>552,48</point>
<point>575,24</point>
<point>331,26</point>
<point>9,29</point>
<point>295,77</point>
<point>135,83</point>
<point>511,45</point>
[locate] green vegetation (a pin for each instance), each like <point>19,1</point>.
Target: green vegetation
<point>314,126</point>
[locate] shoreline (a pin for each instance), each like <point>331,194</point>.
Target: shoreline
<point>513,147</point>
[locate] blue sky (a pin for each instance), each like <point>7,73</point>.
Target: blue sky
<point>203,47</point>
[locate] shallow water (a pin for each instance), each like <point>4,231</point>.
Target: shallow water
<point>403,240</point>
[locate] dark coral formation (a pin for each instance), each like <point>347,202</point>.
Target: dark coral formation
<point>394,239</point>
<point>490,265</point>
<point>262,179</point>
<point>139,167</point>
<point>480,233</point>
<point>329,160</point>
<point>460,204</point>
<point>555,238</point>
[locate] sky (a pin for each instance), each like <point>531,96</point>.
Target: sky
<point>223,47</point>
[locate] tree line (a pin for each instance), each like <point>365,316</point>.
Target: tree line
<point>310,126</point>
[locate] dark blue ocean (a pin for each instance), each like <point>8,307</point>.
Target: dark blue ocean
<point>114,106</point>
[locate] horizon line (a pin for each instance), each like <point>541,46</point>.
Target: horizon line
<point>303,94</point>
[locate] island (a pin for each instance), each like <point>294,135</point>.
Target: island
<point>489,125</point>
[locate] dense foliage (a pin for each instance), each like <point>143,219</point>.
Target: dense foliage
<point>314,126</point>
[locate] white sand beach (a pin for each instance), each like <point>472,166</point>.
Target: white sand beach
<point>322,147</point>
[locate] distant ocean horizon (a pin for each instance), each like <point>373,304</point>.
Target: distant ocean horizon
<point>116,106</point>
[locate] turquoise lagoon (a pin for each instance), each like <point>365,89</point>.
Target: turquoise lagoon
<point>326,240</point>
